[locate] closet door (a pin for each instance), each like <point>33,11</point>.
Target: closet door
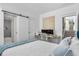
<point>22,28</point>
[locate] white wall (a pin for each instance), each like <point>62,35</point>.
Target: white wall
<point>34,26</point>
<point>59,13</point>
<point>34,19</point>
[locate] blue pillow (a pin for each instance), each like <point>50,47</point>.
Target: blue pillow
<point>69,53</point>
<point>78,34</point>
<point>60,51</point>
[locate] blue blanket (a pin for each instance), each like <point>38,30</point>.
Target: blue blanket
<point>6,46</point>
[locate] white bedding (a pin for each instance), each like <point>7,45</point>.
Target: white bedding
<point>36,48</point>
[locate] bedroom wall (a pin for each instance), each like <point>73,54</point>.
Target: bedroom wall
<point>34,23</point>
<point>59,13</point>
<point>33,18</point>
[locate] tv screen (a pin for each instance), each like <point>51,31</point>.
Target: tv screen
<point>47,31</point>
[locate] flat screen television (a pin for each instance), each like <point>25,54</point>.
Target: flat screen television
<point>47,31</point>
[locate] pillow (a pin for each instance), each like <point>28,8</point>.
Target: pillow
<point>60,51</point>
<point>62,48</point>
<point>65,42</point>
<point>69,53</point>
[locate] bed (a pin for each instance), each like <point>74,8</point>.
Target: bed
<point>36,48</point>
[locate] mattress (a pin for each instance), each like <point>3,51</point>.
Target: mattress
<point>36,48</point>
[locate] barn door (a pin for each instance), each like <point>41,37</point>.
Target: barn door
<point>22,28</point>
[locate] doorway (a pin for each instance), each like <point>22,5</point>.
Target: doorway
<point>9,28</point>
<point>69,26</point>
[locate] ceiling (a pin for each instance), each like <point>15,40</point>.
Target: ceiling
<point>36,8</point>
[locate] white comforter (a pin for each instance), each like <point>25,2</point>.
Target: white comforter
<point>36,48</point>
